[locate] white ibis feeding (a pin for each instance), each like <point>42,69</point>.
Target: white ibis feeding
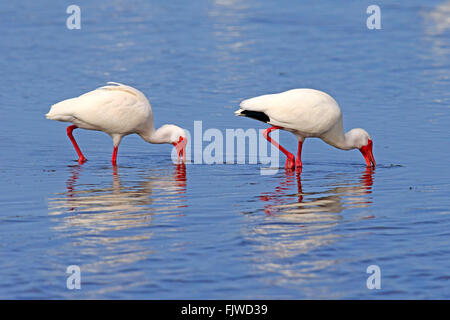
<point>118,110</point>
<point>306,113</point>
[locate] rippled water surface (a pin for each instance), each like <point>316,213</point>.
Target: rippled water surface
<point>153,229</point>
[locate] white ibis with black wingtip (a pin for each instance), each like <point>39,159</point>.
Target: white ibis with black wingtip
<point>118,110</point>
<point>306,113</point>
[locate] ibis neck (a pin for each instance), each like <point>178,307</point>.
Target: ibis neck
<point>155,136</point>
<point>338,142</point>
<point>338,139</point>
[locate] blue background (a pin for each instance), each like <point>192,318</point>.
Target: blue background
<point>153,230</point>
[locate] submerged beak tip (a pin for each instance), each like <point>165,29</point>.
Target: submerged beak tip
<point>181,148</point>
<point>368,154</point>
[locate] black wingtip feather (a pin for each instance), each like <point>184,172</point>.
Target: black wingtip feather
<point>261,116</point>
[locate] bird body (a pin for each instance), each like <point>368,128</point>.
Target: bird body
<point>306,113</point>
<point>117,110</point>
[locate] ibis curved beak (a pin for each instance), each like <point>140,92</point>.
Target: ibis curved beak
<point>181,148</point>
<point>368,154</point>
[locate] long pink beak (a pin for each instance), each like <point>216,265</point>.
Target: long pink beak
<point>368,154</point>
<point>181,148</point>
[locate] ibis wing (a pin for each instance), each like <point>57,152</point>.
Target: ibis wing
<point>118,109</point>
<point>305,110</point>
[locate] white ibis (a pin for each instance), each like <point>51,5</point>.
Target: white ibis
<point>118,110</point>
<point>306,113</point>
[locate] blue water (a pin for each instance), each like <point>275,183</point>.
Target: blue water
<point>153,230</point>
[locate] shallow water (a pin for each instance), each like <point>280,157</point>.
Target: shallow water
<point>152,229</point>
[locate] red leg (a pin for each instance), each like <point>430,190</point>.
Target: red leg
<point>290,162</point>
<point>114,156</point>
<point>298,162</point>
<point>81,157</point>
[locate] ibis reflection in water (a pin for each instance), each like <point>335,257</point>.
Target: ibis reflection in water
<point>300,225</point>
<point>120,205</point>
<point>333,200</point>
<point>116,224</point>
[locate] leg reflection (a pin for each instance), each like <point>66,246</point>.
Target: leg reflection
<point>340,194</point>
<point>290,179</point>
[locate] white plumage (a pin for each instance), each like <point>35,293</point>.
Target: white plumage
<point>306,113</point>
<point>118,110</point>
